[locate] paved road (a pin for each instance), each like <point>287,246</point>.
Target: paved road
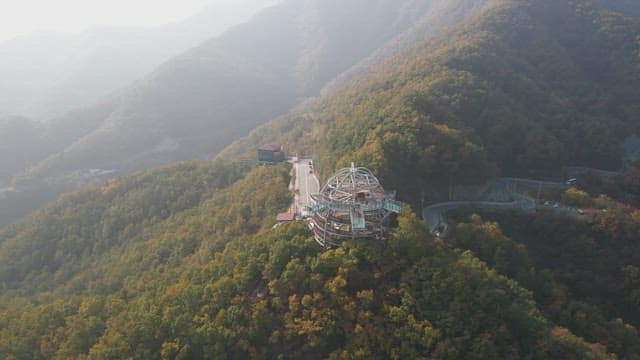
<point>306,184</point>
<point>531,182</point>
<point>576,171</point>
<point>434,215</point>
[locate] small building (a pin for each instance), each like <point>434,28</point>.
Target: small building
<point>285,217</point>
<point>270,154</point>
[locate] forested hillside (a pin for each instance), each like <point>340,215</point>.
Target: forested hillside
<point>178,263</point>
<point>182,262</point>
<point>524,89</point>
<point>582,272</point>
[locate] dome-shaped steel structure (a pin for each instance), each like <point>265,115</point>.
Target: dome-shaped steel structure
<point>352,205</point>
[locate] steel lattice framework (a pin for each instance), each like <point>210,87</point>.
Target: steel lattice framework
<point>352,205</point>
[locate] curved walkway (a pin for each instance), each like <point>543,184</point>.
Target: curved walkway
<point>434,215</point>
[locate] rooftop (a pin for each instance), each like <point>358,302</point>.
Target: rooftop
<point>350,186</point>
<point>270,147</point>
<point>285,217</point>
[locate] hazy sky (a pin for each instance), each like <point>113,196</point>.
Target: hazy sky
<point>23,16</point>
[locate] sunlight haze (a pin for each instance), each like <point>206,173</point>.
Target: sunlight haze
<point>26,16</point>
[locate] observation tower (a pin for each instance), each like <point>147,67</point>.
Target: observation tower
<point>352,205</point>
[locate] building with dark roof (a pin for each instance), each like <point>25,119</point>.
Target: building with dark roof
<point>270,154</point>
<point>286,217</point>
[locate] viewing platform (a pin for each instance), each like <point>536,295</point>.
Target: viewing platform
<point>352,205</point>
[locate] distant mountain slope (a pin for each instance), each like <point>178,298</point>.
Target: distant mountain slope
<point>46,74</point>
<point>440,16</point>
<point>192,106</point>
<point>24,141</point>
<point>196,104</point>
<point>20,144</point>
<point>626,7</point>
